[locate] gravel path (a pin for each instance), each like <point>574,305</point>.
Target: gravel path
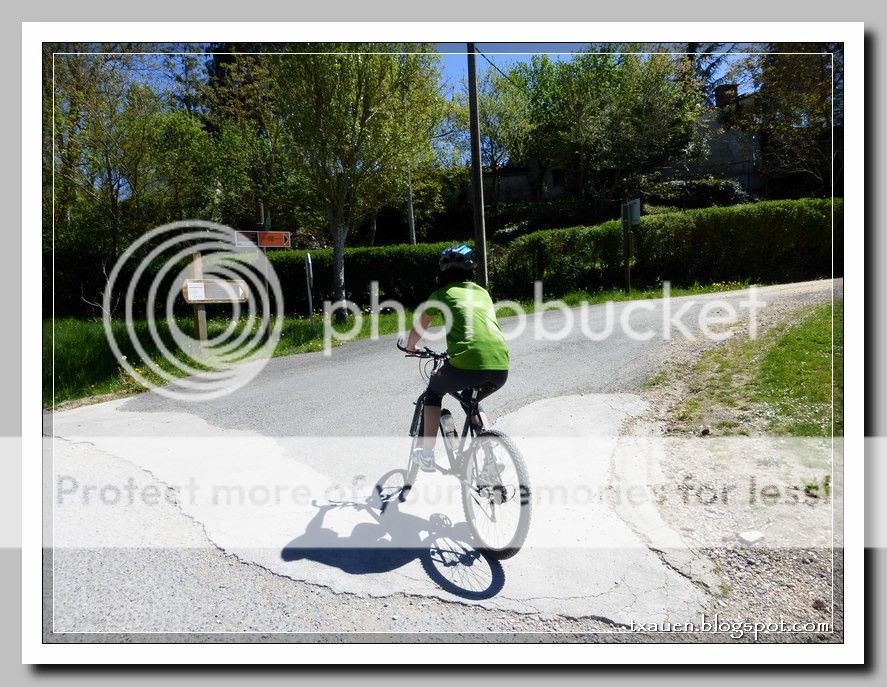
<point>767,580</point>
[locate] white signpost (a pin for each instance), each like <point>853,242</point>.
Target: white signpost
<point>195,292</point>
<point>198,291</point>
<point>215,291</point>
<point>631,212</point>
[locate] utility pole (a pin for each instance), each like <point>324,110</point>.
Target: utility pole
<point>477,179</point>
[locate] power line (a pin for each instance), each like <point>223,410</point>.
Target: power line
<point>505,76</point>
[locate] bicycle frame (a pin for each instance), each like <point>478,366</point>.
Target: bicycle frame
<point>470,428</point>
<point>483,485</point>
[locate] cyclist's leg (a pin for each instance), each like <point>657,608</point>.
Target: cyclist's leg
<point>447,380</point>
<point>438,386</point>
<point>495,380</point>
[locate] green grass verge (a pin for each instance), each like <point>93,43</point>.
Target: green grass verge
<point>796,374</point>
<point>85,365</point>
<point>780,383</point>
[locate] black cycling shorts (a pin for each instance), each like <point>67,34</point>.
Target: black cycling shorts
<point>452,380</point>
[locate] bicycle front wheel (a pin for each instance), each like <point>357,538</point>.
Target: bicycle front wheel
<point>496,494</point>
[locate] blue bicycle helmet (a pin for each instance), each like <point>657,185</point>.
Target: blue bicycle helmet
<point>457,257</point>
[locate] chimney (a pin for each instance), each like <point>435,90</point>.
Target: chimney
<point>726,94</point>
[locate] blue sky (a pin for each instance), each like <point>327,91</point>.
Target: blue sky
<point>454,63</point>
<point>455,67</point>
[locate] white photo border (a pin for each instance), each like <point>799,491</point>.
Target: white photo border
<point>33,34</point>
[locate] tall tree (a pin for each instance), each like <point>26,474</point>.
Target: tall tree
<point>650,119</point>
<point>359,121</point>
<point>103,134</point>
<point>798,97</point>
<point>183,157</point>
<point>504,123</point>
<point>709,65</point>
<point>542,142</point>
<point>186,71</point>
<point>255,153</point>
<point>587,81</point>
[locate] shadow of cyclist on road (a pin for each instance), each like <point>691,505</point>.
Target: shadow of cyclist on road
<point>394,539</point>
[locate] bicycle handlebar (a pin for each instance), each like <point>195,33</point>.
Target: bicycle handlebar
<point>422,352</point>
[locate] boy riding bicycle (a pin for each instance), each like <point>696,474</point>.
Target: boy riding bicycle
<point>478,354</point>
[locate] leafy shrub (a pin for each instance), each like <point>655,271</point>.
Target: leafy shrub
<point>406,273</point>
<point>658,209</point>
<point>694,193</point>
<point>564,259</point>
<point>772,241</point>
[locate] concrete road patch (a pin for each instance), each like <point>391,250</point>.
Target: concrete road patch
<point>580,558</point>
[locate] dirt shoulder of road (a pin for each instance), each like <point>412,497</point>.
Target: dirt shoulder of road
<point>766,579</point>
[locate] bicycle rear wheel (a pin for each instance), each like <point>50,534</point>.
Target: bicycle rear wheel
<point>496,494</point>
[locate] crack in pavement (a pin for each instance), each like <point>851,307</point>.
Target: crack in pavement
<point>644,537</point>
<point>232,555</point>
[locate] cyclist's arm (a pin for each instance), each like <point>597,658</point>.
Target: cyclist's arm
<point>424,320</point>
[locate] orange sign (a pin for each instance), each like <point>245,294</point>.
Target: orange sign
<point>274,239</point>
<point>262,239</point>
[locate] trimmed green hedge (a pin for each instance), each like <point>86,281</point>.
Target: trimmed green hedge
<point>773,241</point>
<point>564,259</point>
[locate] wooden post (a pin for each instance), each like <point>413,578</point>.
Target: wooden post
<point>199,308</point>
<point>626,245</point>
<point>626,257</point>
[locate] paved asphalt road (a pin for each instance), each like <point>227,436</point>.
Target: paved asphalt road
<point>195,564</point>
<point>367,387</point>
